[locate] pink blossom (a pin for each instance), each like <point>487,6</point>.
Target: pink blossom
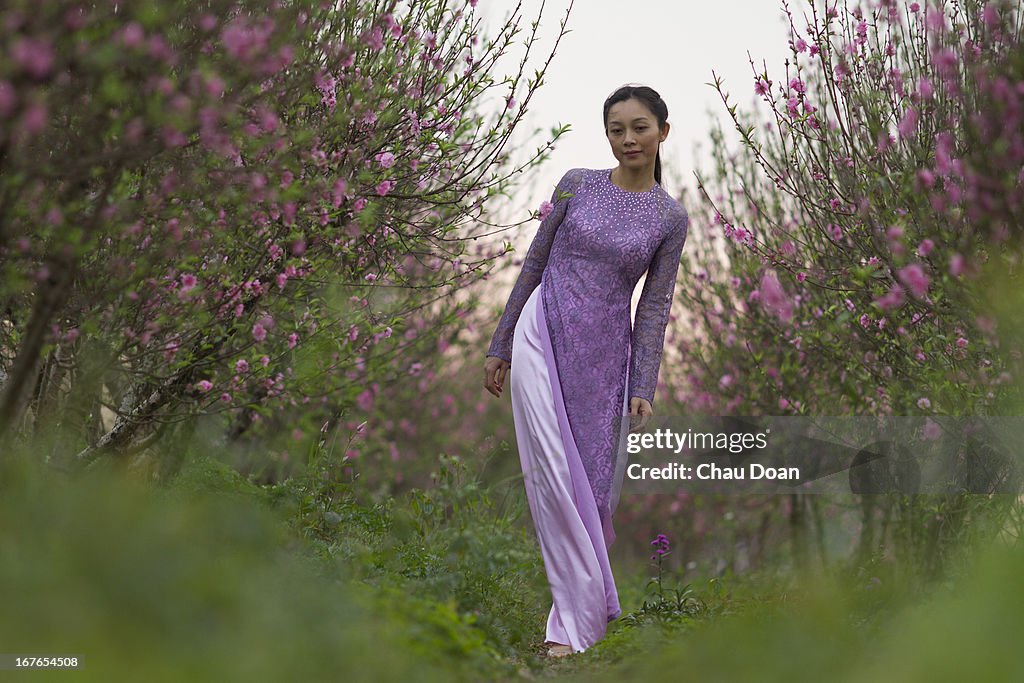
<point>204,385</point>
<point>34,56</point>
<point>961,343</point>
<point>814,50</point>
<point>915,279</point>
<point>914,7</point>
<point>7,98</point>
<point>374,38</point>
<point>365,400</point>
<point>924,87</point>
<point>761,87</point>
<point>243,40</point>
<point>797,85</point>
<point>893,298</point>
<point>925,247</point>
<point>386,159</point>
<point>990,15</point>
<point>241,366</point>
<point>545,209</point>
<point>384,187</point>
<point>923,403</point>
<point>188,281</point>
<point>956,265</point>
<point>132,34</point>
<point>259,333</point>
<point>908,123</point>
<point>774,298</point>
<point>801,45</point>
<point>207,22</point>
<point>34,119</point>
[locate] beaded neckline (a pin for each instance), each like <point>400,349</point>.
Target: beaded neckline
<point>608,177</point>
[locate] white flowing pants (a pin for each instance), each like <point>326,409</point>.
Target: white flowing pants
<point>584,598</point>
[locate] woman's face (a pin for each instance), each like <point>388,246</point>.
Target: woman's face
<point>633,134</point>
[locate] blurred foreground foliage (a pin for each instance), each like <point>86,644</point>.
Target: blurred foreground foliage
<point>211,577</point>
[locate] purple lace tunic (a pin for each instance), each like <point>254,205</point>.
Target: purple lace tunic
<point>589,253</point>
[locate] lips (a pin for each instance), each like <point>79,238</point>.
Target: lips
<point>632,154</point>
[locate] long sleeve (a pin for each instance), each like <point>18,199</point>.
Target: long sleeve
<point>533,267</point>
<point>652,313</point>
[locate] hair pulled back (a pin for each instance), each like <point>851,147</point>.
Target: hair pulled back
<point>652,100</point>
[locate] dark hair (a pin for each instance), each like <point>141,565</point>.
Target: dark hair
<point>652,100</point>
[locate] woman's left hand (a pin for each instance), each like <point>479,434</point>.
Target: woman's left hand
<point>641,408</point>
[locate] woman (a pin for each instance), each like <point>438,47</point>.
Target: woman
<point>576,367</point>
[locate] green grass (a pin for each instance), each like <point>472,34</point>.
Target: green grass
<point>214,578</point>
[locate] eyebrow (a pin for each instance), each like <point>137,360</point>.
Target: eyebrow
<point>639,118</point>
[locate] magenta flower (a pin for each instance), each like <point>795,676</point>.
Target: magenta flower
<point>956,265</point>
<point>384,187</point>
<point>34,56</point>
<point>923,403</point>
<point>774,297</point>
<point>908,123</point>
<point>545,209</point>
<point>204,385</point>
<point>761,87</point>
<point>188,281</point>
<point>386,159</point>
<point>893,298</point>
<point>915,279</point>
<point>241,366</point>
<point>259,333</point>
<point>374,38</point>
<point>801,45</point>
<point>925,247</point>
<point>797,85</point>
<point>924,87</point>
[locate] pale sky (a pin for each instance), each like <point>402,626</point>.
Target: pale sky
<point>670,46</point>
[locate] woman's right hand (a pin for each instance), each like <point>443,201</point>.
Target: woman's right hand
<point>495,372</point>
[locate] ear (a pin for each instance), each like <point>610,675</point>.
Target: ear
<point>664,131</point>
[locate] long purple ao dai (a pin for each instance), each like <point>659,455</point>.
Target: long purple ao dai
<point>575,362</point>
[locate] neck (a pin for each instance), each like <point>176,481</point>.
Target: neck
<point>634,180</point>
